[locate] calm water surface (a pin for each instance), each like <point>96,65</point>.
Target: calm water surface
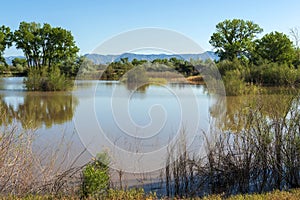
<point>153,114</point>
<point>97,115</point>
<point>145,117</point>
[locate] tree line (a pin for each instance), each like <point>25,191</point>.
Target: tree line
<point>245,59</point>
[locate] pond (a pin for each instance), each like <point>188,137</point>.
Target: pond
<point>107,114</point>
<point>136,126</point>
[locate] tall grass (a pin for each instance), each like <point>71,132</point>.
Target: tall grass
<point>263,155</point>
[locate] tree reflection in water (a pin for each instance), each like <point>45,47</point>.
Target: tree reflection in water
<point>272,106</point>
<point>38,109</point>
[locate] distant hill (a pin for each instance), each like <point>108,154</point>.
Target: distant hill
<point>103,59</point>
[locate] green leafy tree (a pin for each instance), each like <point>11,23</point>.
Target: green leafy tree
<point>137,62</point>
<point>20,65</point>
<point>45,45</point>
<point>27,38</point>
<point>276,47</point>
<point>19,62</point>
<point>183,67</point>
<point>234,38</point>
<point>63,48</point>
<point>5,41</point>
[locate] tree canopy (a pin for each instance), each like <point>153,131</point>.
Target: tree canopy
<point>19,62</point>
<point>5,41</point>
<point>234,38</point>
<point>45,45</point>
<point>276,47</point>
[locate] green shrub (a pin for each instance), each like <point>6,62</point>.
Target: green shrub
<point>35,79</point>
<point>275,74</point>
<point>235,84</point>
<point>57,81</point>
<point>45,79</point>
<point>227,65</point>
<point>95,182</point>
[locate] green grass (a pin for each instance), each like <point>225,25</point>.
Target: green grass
<point>138,194</point>
<point>275,195</point>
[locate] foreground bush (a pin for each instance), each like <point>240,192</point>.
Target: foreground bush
<point>16,161</point>
<point>45,79</point>
<point>96,177</point>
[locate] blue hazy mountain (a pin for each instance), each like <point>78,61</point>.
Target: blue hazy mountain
<point>103,59</point>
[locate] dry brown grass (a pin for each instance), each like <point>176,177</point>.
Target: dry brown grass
<point>24,171</point>
<point>195,79</point>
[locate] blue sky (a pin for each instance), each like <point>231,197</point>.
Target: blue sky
<point>94,21</point>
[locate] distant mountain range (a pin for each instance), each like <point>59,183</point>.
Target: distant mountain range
<point>104,59</point>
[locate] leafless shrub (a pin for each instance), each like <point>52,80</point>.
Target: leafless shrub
<point>24,171</point>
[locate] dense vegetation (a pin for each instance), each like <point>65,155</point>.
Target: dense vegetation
<point>158,67</point>
<point>272,60</point>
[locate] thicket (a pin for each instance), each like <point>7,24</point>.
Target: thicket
<point>242,77</point>
<point>46,79</point>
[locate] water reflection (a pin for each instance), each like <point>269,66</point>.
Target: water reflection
<point>275,105</point>
<point>138,88</point>
<point>34,110</point>
<point>7,112</point>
